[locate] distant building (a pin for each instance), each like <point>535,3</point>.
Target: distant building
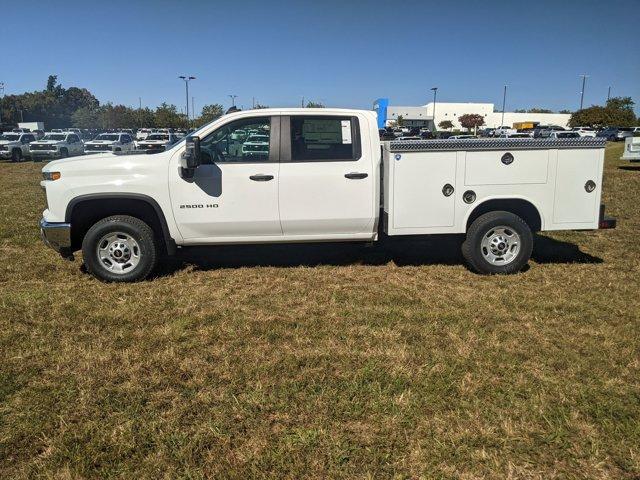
<point>423,116</point>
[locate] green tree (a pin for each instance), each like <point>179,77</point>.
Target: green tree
<point>400,121</point>
<point>620,103</point>
<point>618,112</point>
<point>85,117</point>
<point>208,114</point>
<point>260,106</point>
<point>471,120</point>
<point>446,124</point>
<point>311,104</point>
<point>167,116</point>
<point>565,111</point>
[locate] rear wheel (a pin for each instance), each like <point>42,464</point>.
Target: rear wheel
<point>16,155</point>
<point>498,242</point>
<point>120,248</point>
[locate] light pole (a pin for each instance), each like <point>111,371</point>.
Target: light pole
<point>584,81</point>
<point>504,101</point>
<point>1,95</point>
<point>435,93</point>
<point>233,99</point>
<point>609,94</point>
<point>186,87</point>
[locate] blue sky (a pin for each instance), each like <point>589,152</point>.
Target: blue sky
<point>341,53</point>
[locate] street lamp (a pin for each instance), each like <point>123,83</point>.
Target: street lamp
<point>584,81</point>
<point>435,92</point>
<point>233,99</point>
<point>186,86</point>
<point>1,95</point>
<point>504,100</point>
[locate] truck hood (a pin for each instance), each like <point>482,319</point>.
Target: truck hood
<point>9,142</point>
<point>107,163</point>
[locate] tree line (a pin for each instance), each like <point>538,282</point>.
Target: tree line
<point>60,107</point>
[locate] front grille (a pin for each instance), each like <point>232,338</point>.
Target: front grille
<point>42,147</point>
<point>4,147</point>
<point>256,148</point>
<point>98,147</point>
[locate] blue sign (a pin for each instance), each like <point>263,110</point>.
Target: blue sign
<point>380,106</point>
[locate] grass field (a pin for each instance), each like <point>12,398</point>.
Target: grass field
<point>323,361</point>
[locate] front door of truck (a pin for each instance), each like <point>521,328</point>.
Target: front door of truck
<point>326,176</point>
<point>234,193</point>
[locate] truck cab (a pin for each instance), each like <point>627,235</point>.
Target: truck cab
<point>15,145</point>
<point>311,175</point>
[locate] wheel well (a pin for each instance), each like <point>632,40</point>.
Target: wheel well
<point>524,209</point>
<point>85,213</point>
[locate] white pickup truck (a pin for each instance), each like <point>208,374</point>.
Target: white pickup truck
<point>323,176</point>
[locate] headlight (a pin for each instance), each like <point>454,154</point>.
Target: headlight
<point>51,176</point>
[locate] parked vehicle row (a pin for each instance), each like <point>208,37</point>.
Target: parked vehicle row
<point>21,144</point>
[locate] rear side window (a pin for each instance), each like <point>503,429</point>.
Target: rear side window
<point>324,138</point>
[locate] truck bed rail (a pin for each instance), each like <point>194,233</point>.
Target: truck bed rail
<point>494,144</point>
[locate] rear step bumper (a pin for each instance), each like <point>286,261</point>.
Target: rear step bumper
<point>605,221</point>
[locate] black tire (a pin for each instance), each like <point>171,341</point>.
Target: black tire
<point>16,155</point>
<point>64,153</point>
<point>485,227</point>
<point>136,229</point>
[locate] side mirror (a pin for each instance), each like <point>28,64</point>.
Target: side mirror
<point>192,158</point>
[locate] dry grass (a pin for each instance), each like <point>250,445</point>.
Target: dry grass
<point>323,361</point>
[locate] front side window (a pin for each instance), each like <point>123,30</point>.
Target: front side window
<point>324,138</point>
<point>245,140</point>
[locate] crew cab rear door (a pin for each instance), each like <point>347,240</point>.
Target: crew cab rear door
<point>326,182</point>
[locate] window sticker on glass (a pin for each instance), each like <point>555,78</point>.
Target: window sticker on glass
<point>346,131</point>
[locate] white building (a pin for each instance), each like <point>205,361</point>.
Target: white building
<point>423,116</point>
<point>452,111</point>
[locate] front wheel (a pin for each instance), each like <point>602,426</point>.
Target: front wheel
<point>16,156</point>
<point>498,242</point>
<point>120,248</point>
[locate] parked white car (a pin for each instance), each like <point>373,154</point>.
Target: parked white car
<point>256,146</point>
<point>516,135</point>
<point>143,133</point>
<point>56,145</point>
<point>15,145</point>
<point>631,149</point>
<point>321,180</point>
<point>504,130</point>
<point>564,135</point>
<point>156,142</point>
<point>585,131</point>
<point>461,137</point>
<point>110,142</point>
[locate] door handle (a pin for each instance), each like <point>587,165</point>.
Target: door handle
<point>261,178</point>
<point>355,175</point>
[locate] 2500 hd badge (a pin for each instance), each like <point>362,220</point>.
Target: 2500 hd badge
<point>200,205</point>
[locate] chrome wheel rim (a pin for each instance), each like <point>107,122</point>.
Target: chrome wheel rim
<point>118,253</point>
<point>500,245</point>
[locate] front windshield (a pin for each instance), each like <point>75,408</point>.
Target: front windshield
<point>157,136</point>
<point>7,136</point>
<point>111,138</point>
<point>54,136</point>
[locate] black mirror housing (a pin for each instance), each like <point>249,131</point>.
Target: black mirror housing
<point>192,155</point>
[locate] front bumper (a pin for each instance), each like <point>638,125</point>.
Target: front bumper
<point>44,153</point>
<point>5,154</point>
<point>56,236</point>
